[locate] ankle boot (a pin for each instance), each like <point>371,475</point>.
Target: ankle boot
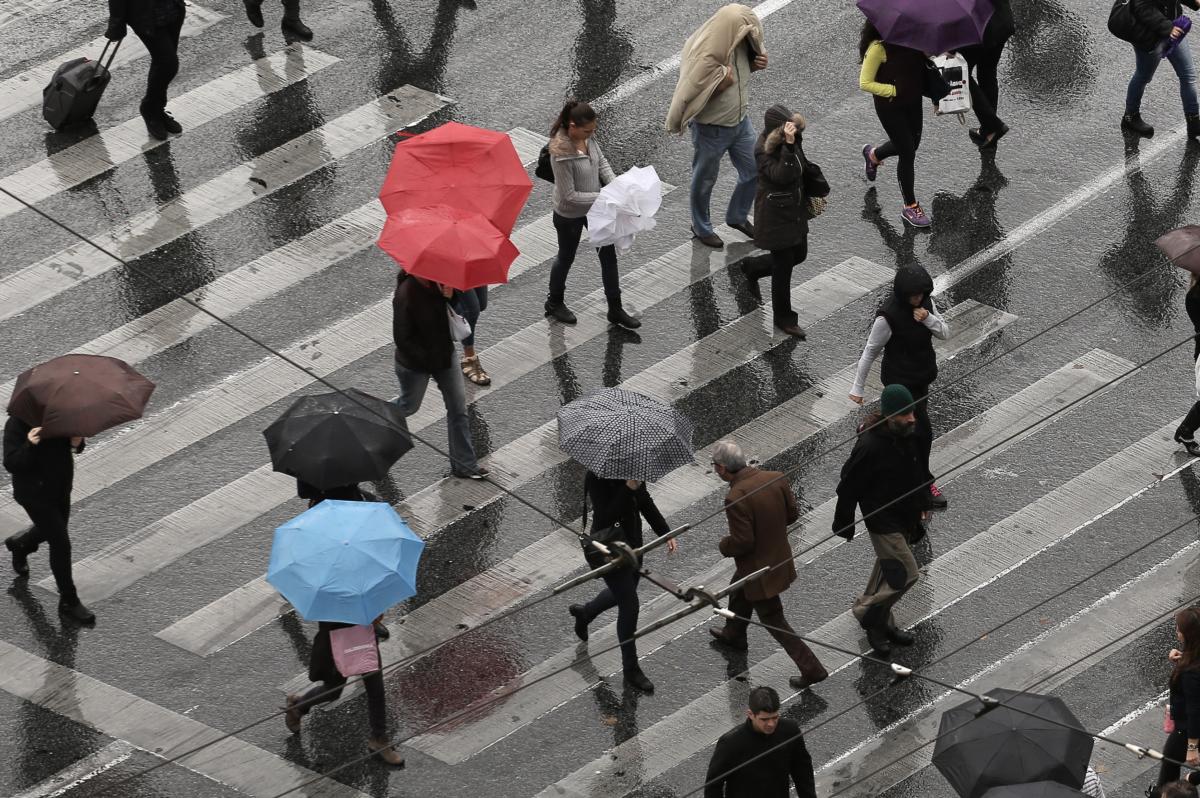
<point>1183,436</point>
<point>618,316</point>
<point>292,22</point>
<point>878,638</point>
<point>254,12</point>
<point>20,557</point>
<point>558,310</point>
<point>1135,124</point>
<point>635,678</point>
<point>1193,125</point>
<point>385,751</point>
<point>76,611</point>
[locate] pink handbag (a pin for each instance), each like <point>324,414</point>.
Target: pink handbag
<point>355,650</point>
<point>1168,721</point>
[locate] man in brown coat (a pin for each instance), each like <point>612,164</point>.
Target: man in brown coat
<point>759,506</point>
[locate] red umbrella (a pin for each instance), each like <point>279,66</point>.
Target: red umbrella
<point>449,246</point>
<point>461,166</point>
<point>79,395</point>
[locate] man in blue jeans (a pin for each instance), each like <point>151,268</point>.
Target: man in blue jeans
<point>712,98</point>
<point>424,349</point>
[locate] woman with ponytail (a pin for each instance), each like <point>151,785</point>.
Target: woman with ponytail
<point>580,171</point>
<point>1183,709</point>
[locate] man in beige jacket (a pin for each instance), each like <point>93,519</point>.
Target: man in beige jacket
<point>712,98</point>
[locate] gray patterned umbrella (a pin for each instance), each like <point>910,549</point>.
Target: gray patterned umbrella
<point>619,434</point>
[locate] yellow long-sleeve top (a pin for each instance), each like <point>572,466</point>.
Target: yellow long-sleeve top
<point>875,56</point>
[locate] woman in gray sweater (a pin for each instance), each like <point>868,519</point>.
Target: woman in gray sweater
<point>580,170</point>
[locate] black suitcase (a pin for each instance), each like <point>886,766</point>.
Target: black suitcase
<point>76,88</point>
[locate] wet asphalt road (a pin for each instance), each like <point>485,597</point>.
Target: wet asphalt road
<point>508,65</point>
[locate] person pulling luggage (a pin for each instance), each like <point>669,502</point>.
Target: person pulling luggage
<point>158,24</point>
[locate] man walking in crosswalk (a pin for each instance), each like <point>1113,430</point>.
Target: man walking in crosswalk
<point>883,476</point>
<point>291,22</point>
<point>158,24</point>
<point>760,757</point>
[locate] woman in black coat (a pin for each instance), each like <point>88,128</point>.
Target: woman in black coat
<point>1183,744</point>
<point>1154,24</point>
<point>780,222</point>
<point>618,508</point>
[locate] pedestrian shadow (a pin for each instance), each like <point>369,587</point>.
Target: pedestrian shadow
<point>902,694</point>
<point>1051,54</point>
<point>399,63</point>
<point>902,243</point>
<point>614,354</point>
<point>293,627</point>
<point>602,50</point>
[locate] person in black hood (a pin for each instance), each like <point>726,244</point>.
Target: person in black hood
<point>758,758</point>
<point>158,24</point>
<point>903,331</point>
<point>1155,24</point>
<point>780,221</point>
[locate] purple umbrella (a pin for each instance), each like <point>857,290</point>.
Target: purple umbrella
<point>931,26</point>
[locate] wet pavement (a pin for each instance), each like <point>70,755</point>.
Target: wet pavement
<point>1052,235</point>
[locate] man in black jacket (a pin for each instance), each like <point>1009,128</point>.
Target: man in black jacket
<point>43,471</point>
<point>424,349</point>
<point>1154,24</point>
<point>157,23</point>
<point>781,746</point>
<point>884,477</point>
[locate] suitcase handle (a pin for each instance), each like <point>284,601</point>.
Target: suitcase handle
<point>115,46</point>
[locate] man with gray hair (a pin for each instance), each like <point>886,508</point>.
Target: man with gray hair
<point>759,507</point>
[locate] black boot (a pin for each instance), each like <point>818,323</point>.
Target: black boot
<point>76,611</point>
<point>1183,435</point>
<point>899,636</point>
<point>1193,125</point>
<point>170,125</point>
<point>558,310</point>
<point>1135,124</point>
<point>20,557</point>
<point>581,621</point>
<point>635,678</point>
<point>254,12</point>
<point>618,316</point>
<point>877,636</point>
<point>155,124</point>
<point>291,21</point>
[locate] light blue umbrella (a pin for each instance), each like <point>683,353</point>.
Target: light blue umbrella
<point>345,561</point>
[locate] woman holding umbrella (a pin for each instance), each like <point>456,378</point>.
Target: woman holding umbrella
<point>1186,433</point>
<point>1183,709</point>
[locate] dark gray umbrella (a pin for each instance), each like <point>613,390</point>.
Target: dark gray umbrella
<point>978,750</point>
<point>1037,789</point>
<point>619,434</point>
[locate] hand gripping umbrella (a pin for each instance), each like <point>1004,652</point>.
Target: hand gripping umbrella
<point>79,395</point>
<point>619,434</point>
<point>465,167</point>
<point>1037,789</point>
<point>979,748</point>
<point>625,207</point>
<point>448,245</point>
<point>1182,247</point>
<point>334,439</point>
<point>931,26</point>
<point>345,561</point>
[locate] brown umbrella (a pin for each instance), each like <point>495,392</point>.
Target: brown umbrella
<point>1182,246</point>
<point>79,395</point>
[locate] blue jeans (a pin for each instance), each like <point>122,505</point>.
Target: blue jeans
<point>1147,64</point>
<point>709,143</point>
<point>470,304</point>
<point>450,382</point>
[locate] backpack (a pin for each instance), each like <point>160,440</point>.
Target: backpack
<point>543,169</point>
<point>1122,23</point>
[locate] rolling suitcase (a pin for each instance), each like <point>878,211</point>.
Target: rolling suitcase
<point>75,89</point>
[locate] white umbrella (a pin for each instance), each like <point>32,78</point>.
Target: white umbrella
<point>625,207</point>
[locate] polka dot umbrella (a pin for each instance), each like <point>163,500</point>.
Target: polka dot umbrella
<point>619,434</point>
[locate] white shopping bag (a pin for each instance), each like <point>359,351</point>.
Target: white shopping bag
<point>956,72</point>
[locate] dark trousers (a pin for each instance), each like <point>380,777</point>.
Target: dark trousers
<point>902,122</point>
<point>1191,421</point>
<point>770,612</point>
<point>162,42</point>
<point>621,592</point>
<point>569,232</point>
<point>331,690</point>
<point>924,430</point>
<point>984,62</point>
<point>471,304</point>
<point>779,264</point>
<point>1175,748</point>
<point>50,521</point>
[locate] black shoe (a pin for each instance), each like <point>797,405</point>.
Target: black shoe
<point>744,228</point>
<point>990,141</point>
<point>638,681</point>
<point>173,127</point>
<point>77,612</point>
<point>479,473</point>
<point>936,500</point>
<point>976,135</point>
<point>1135,124</point>
<point>557,310</point>
<point>899,636</point>
<point>618,316</point>
<point>804,682</point>
<point>722,639</point>
<point>877,636</point>
<point>1182,436</point>
<point>581,622</point>
<point>1193,125</point>
<point>155,125</point>
<point>20,560</point>
<point>381,631</point>
<point>711,240</point>
<point>793,329</point>
<point>254,12</point>
<point>296,27</point>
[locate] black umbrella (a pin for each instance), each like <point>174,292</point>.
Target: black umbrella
<point>1037,789</point>
<point>977,750</point>
<point>334,439</point>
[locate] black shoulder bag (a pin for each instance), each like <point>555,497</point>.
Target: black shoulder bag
<point>543,168</point>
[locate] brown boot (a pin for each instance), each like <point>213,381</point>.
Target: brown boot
<point>385,751</point>
<point>293,716</point>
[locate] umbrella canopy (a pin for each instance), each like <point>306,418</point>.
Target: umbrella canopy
<point>448,245</point>
<point>334,439</point>
<point>345,561</point>
<point>79,395</point>
<point>625,207</point>
<point>1002,746</point>
<point>1037,789</point>
<point>619,434</point>
<point>462,166</point>
<point>1182,246</point>
<point>931,26</point>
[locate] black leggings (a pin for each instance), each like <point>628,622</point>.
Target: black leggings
<point>569,232</point>
<point>902,123</point>
<point>162,42</point>
<point>1191,422</point>
<point>779,264</point>
<point>985,86</point>
<point>1175,748</point>
<point>50,527</point>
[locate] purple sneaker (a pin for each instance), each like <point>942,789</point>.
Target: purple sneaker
<point>871,167</point>
<point>915,215</point>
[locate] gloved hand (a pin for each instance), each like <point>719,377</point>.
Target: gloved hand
<point>116,30</point>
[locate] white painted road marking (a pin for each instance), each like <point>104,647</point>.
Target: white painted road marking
<point>80,772</point>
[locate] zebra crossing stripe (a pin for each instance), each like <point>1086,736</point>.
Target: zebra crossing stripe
<point>1144,725</point>
<point>24,90</point>
<point>1028,407</point>
<point>27,8</point>
<point>116,713</point>
<point>972,566</point>
<point>97,154</point>
<point>82,771</point>
<point>216,198</point>
<point>1115,619</point>
<point>256,281</point>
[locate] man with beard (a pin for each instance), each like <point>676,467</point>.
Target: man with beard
<point>884,477</point>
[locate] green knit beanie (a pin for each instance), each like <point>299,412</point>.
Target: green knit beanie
<point>894,400</point>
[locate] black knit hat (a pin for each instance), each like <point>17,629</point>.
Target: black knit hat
<point>775,116</point>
